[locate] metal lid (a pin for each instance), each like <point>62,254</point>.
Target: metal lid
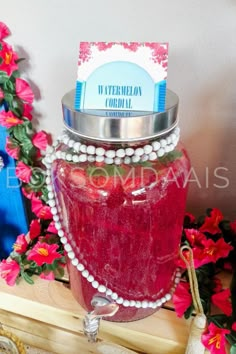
<point>119,126</point>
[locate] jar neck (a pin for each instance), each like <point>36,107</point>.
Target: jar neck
<point>165,139</point>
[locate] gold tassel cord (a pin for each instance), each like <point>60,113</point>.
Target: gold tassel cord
<point>194,345</point>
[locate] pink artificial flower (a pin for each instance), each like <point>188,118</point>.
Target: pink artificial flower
<point>23,172</point>
<point>9,58</point>
<point>211,223</point>
<point>214,339</point>
<point>194,237</point>
<point>43,253</point>
<point>9,270</point>
<point>4,31</point>
<point>24,91</point>
<point>40,210</point>
<point>28,193</point>
<point>27,111</point>
<point>34,229</point>
<point>8,120</point>
<point>40,140</point>
<point>21,244</point>
<point>47,276</point>
<point>182,298</point>
<point>51,228</point>
<point>12,149</point>
<point>222,301</point>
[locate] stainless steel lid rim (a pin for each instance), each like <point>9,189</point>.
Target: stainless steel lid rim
<point>91,125</point>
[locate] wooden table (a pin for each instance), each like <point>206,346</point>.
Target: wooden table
<point>46,316</point>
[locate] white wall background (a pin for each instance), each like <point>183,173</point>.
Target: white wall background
<point>202,69</point>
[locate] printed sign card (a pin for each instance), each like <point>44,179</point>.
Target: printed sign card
<point>122,76</point>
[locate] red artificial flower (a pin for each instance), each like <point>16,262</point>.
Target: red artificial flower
<point>34,229</point>
<point>8,120</point>
<point>214,340</point>
<point>4,31</point>
<point>194,237</point>
<point>23,172</point>
<point>211,223</point>
<point>233,226</point>
<point>21,244</point>
<point>182,298</point>
<point>12,149</point>
<point>234,326</point>
<point>27,111</point>
<point>218,285</point>
<point>40,140</point>
<point>213,251</point>
<point>9,270</point>
<point>47,276</point>
<point>51,228</point>
<point>43,253</point>
<point>222,301</point>
<point>24,91</point>
<point>40,210</point>
<point>9,58</point>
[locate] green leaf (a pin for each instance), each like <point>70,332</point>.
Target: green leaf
<point>17,106</point>
<point>8,86</point>
<point>37,179</point>
<point>233,349</point>
<point>145,163</point>
<point>3,77</point>
<point>52,266</point>
<point>171,156</point>
<point>19,132</point>
<point>27,278</point>
<point>44,191</point>
<point>15,74</point>
<point>188,312</point>
<point>1,60</point>
<point>0,46</point>
<point>27,145</point>
<point>8,98</point>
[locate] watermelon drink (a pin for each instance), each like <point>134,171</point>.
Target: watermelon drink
<point>124,224</point>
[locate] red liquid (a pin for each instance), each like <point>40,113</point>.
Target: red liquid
<point>125,230</point>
